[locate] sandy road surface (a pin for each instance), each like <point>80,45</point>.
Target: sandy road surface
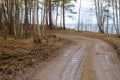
<point>88,59</point>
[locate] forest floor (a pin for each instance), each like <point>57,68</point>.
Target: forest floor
<point>18,56</point>
<point>25,60</point>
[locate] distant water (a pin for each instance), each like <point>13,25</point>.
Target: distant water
<point>90,27</point>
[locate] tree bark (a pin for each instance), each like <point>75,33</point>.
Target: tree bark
<point>50,16</point>
<point>26,19</point>
<point>79,16</point>
<point>63,15</point>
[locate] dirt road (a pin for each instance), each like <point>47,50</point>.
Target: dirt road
<point>87,59</point>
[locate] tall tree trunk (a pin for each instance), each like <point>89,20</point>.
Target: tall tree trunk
<point>114,21</point>
<point>26,19</point>
<point>107,17</point>
<point>38,26</point>
<point>57,14</point>
<point>50,16</point>
<point>79,16</point>
<point>1,11</point>
<point>116,9</point>
<point>14,28</point>
<point>119,13</point>
<point>11,22</point>
<point>4,19</point>
<point>33,21</point>
<point>43,19</point>
<point>46,12</point>
<point>107,25</point>
<point>99,16</point>
<point>119,17</point>
<point>63,15</point>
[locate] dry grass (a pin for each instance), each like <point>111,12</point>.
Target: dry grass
<point>16,55</point>
<point>10,45</point>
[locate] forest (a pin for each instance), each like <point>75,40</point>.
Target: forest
<point>21,18</point>
<point>34,40</point>
<point>26,18</point>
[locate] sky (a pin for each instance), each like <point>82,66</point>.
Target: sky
<point>87,12</point>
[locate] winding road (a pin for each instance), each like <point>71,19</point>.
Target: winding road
<point>87,59</point>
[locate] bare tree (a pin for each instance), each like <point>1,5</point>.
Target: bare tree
<point>99,15</point>
<point>79,15</point>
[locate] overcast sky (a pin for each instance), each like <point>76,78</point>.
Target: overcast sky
<point>87,13</point>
